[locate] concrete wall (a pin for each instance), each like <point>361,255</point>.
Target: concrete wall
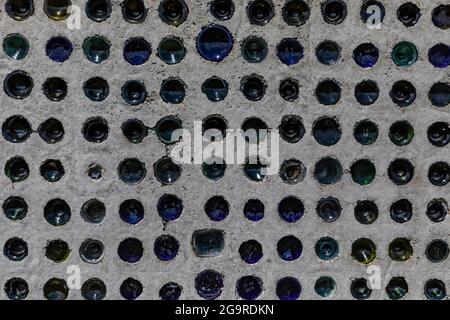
<point>76,153</point>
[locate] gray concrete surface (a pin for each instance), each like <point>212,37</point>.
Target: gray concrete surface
<point>76,153</point>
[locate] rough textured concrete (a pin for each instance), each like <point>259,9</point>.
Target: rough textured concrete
<point>76,153</point>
